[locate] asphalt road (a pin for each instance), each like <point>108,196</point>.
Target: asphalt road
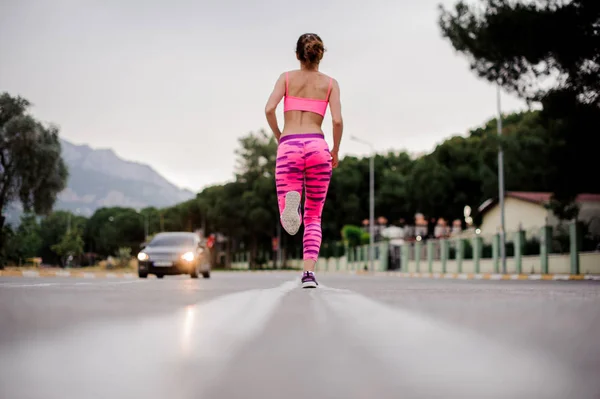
<point>243,335</point>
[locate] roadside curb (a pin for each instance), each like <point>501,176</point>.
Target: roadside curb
<point>102,275</point>
<point>64,273</point>
<point>490,276</point>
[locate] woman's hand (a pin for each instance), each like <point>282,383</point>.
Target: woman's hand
<point>334,158</point>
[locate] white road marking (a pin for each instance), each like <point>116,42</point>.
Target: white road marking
<point>341,290</point>
<point>156,357</point>
<point>441,360</point>
<point>320,312</point>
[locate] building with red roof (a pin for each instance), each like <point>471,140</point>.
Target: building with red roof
<point>529,211</point>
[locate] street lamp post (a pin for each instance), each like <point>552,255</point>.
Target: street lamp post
<point>77,211</point>
<point>141,212</point>
<point>371,202</point>
<point>501,186</point>
<point>145,226</point>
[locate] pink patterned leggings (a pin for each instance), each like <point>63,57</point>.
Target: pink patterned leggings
<point>304,162</point>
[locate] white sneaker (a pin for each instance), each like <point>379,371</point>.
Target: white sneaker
<point>290,217</point>
<point>309,280</point>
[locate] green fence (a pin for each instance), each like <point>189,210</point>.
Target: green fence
<point>343,258</point>
<point>536,251</point>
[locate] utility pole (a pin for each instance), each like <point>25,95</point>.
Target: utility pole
<point>371,202</point>
<point>372,211</point>
<point>146,227</point>
<point>501,186</point>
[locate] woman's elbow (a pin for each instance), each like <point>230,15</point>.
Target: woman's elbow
<point>338,122</point>
<point>269,109</point>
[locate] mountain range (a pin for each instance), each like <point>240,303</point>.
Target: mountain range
<point>100,178</point>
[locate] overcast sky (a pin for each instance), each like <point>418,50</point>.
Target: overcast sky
<point>175,83</point>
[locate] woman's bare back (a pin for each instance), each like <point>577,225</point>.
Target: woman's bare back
<point>308,85</point>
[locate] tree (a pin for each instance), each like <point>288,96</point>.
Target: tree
<point>52,229</point>
<point>393,193</point>
<point>430,187</point>
<point>151,215</point>
<point>108,229</point>
<point>28,239</point>
<point>25,242</point>
<point>246,209</point>
<point>517,45</point>
<point>347,198</point>
<point>32,170</point>
<point>10,250</point>
<point>256,156</point>
<point>130,229</point>
<point>71,244</point>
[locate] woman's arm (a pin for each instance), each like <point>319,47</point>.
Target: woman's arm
<point>274,99</point>
<point>335,106</point>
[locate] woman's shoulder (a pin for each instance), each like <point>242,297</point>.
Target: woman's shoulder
<point>298,71</point>
<point>328,77</point>
<point>287,74</point>
<point>290,72</point>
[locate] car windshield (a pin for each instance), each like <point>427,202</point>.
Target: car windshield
<point>172,241</point>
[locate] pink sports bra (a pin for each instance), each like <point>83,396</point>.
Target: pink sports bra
<point>291,103</point>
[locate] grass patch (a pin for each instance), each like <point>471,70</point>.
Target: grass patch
<point>101,267</point>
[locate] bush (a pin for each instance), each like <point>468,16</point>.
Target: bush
<point>364,238</point>
<point>123,256</point>
<point>353,235</point>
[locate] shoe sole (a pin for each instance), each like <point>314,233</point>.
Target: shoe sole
<point>290,219</point>
<point>309,284</point>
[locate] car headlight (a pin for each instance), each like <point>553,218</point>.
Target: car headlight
<point>188,256</point>
<point>142,256</point>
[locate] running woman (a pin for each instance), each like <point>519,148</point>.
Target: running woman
<point>304,160</point>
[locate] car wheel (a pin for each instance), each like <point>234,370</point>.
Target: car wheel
<point>206,274</point>
<point>142,275</point>
<point>160,275</point>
